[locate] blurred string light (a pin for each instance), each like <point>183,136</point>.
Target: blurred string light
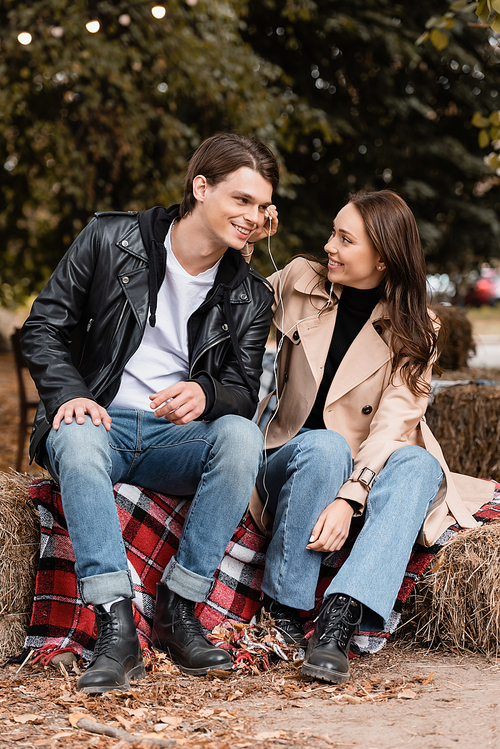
<point>24,38</point>
<point>158,11</point>
<point>93,26</point>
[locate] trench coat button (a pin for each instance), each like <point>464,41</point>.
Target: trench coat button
<point>378,328</point>
<point>124,243</point>
<point>366,410</point>
<point>296,336</point>
<point>285,377</point>
<point>125,279</point>
<point>243,296</point>
<point>225,327</point>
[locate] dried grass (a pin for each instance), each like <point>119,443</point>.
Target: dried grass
<point>19,548</point>
<point>465,419</point>
<point>457,602</point>
<point>456,338</point>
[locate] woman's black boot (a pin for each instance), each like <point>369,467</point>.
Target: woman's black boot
<point>117,654</point>
<point>286,620</point>
<point>327,655</point>
<point>177,632</point>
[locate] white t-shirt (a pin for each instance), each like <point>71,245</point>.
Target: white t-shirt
<point>162,358</point>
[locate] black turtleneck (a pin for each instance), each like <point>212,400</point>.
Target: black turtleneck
<point>354,309</point>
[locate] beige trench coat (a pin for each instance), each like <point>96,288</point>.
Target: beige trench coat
<point>375,416</point>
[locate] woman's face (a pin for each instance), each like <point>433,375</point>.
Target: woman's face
<point>352,259</point>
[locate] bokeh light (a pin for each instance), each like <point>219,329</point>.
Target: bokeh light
<point>24,38</point>
<point>158,11</point>
<point>93,26</point>
<point>124,19</point>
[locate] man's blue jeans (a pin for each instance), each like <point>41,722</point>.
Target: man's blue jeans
<point>216,461</point>
<point>302,478</point>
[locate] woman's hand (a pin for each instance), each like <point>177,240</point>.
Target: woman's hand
<point>262,231</point>
<point>332,527</point>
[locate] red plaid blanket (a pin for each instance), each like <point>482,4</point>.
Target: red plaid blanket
<point>151,525</point>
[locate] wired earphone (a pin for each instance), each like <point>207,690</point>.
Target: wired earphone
<point>278,350</point>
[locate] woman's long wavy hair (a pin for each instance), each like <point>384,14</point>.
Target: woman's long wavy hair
<point>392,229</point>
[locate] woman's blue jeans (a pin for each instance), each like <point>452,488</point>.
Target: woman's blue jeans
<point>216,461</point>
<point>302,478</point>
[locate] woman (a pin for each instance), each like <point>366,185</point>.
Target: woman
<point>347,437</point>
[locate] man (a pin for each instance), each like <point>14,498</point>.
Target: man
<point>146,348</point>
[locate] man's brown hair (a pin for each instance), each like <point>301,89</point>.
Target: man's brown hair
<point>221,155</point>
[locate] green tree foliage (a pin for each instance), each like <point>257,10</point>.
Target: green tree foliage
<point>105,121</point>
<point>337,88</point>
<point>399,115</point>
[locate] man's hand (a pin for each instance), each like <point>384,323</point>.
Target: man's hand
<point>186,401</point>
<point>77,408</point>
<point>262,231</point>
<point>332,528</point>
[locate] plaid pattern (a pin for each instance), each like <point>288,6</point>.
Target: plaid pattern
<point>151,526</point>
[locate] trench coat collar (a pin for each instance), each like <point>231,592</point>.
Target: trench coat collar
<point>367,353</point>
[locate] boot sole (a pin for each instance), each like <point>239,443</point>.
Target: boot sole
<point>202,671</point>
<point>326,674</point>
<point>136,673</point>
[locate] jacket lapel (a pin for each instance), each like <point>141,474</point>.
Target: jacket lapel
<point>367,353</point>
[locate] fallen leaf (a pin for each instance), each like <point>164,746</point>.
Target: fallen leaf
<point>427,679</point>
<point>127,724</point>
<point>170,720</point>
<point>66,697</point>
<point>73,718</point>
<point>407,694</point>
<point>137,712</point>
<point>28,718</point>
<point>60,735</point>
<point>219,673</point>
<point>235,695</point>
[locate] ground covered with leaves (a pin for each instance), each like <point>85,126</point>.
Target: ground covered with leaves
<point>394,697</point>
<point>403,696</point>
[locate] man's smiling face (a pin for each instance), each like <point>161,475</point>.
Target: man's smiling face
<point>234,208</point>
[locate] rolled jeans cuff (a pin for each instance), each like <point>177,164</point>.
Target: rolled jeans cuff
<point>99,589</point>
<point>186,583</point>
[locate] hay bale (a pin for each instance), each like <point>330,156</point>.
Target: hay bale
<point>465,420</point>
<point>457,602</point>
<point>19,548</point>
<point>455,336</point>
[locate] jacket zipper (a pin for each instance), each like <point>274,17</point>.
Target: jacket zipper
<point>204,351</point>
<point>122,313</point>
<point>89,325</point>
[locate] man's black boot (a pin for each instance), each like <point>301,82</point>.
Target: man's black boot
<point>117,654</point>
<point>327,655</point>
<point>178,632</point>
<point>286,620</point>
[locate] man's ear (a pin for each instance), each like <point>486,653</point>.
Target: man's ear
<point>200,185</point>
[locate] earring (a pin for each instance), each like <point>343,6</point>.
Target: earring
<point>380,267</point>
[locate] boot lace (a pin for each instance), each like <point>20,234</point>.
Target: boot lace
<point>340,620</point>
<point>107,632</point>
<point>187,619</point>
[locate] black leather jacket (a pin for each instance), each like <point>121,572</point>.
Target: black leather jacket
<point>91,316</point>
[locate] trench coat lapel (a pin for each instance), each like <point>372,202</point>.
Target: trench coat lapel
<point>315,332</point>
<point>367,353</point>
